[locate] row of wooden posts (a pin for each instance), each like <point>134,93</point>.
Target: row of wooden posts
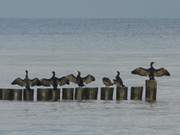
<point>48,94</point>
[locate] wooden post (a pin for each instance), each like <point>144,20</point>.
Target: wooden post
<point>18,95</point>
<point>86,93</point>
<point>67,93</point>
<point>92,93</point>
<point>151,90</point>
<point>12,94</point>
<point>136,93</point>
<point>80,93</point>
<point>1,94</point>
<point>28,95</point>
<point>107,93</point>
<point>121,93</point>
<point>48,94</point>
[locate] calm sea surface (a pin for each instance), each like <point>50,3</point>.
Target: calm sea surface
<point>99,47</point>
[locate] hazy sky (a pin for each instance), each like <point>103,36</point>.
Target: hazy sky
<point>90,8</point>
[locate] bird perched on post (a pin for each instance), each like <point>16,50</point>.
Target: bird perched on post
<point>118,81</point>
<point>107,82</point>
<point>151,72</point>
<point>26,82</point>
<point>54,81</point>
<point>80,80</point>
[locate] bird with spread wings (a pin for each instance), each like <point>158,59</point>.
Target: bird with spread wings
<point>80,80</point>
<point>151,72</point>
<point>54,81</point>
<point>26,82</point>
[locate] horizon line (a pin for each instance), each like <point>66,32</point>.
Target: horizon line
<point>89,18</point>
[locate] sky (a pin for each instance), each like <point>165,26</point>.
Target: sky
<point>90,8</point>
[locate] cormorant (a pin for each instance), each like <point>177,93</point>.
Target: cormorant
<point>107,82</point>
<point>151,72</point>
<point>54,81</point>
<point>80,80</point>
<point>118,81</point>
<point>26,82</point>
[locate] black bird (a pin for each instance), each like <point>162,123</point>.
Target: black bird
<point>54,81</point>
<point>26,82</point>
<point>107,82</point>
<point>118,81</point>
<point>80,80</point>
<point>151,72</point>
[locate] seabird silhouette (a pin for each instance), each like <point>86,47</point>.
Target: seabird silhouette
<point>118,81</point>
<point>80,80</point>
<point>151,72</point>
<point>54,81</point>
<point>26,82</point>
<point>107,82</point>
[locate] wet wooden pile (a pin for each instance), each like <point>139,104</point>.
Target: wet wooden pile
<point>87,93</point>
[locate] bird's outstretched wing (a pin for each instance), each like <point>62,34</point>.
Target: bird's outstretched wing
<point>161,72</point>
<point>19,81</point>
<point>88,79</point>
<point>63,81</point>
<point>45,82</point>
<point>35,82</point>
<point>71,78</point>
<point>107,81</point>
<point>141,71</point>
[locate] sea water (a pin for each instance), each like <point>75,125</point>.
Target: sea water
<point>93,46</point>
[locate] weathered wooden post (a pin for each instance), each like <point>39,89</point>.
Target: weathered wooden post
<point>48,94</point>
<point>55,95</point>
<point>92,93</point>
<point>18,95</point>
<point>67,93</point>
<point>28,95</point>
<point>1,91</point>
<point>121,93</point>
<point>136,93</point>
<point>80,93</point>
<point>151,90</point>
<point>86,93</point>
<point>107,93</point>
<point>12,94</point>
